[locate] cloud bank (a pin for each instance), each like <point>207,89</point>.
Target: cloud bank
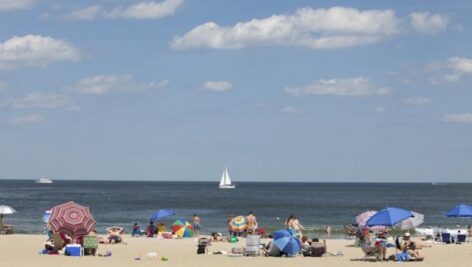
<point>336,27</point>
<point>142,10</point>
<point>217,86</point>
<point>358,86</point>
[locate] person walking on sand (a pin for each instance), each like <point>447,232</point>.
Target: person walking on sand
<point>251,223</point>
<point>196,224</point>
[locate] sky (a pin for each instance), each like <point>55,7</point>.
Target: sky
<point>316,91</point>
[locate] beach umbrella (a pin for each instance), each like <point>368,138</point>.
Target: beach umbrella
<point>161,214</point>
<point>411,222</point>
<point>182,228</point>
<point>389,217</point>
<point>286,242</point>
<point>72,219</point>
<point>362,219</point>
<point>460,211</point>
<point>4,210</point>
<point>46,216</point>
<point>238,224</point>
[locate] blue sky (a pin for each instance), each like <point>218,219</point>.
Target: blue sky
<point>276,90</point>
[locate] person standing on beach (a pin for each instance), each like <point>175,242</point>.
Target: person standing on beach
<point>251,223</point>
<point>230,230</point>
<point>196,224</point>
<point>328,231</point>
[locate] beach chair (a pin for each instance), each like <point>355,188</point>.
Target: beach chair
<point>461,238</point>
<point>446,238</point>
<point>90,245</point>
<point>57,241</point>
<point>253,245</point>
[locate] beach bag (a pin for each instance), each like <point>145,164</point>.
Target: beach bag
<point>202,249</point>
<point>233,239</point>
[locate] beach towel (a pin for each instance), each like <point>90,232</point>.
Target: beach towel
<point>402,256</point>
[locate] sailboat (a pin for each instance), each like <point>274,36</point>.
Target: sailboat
<point>225,182</point>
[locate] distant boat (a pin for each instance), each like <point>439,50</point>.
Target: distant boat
<point>44,180</point>
<point>225,182</point>
<point>436,183</point>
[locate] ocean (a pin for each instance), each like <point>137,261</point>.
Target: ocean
<point>315,204</point>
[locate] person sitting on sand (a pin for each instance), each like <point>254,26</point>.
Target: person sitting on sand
<point>271,250</point>
<point>305,246</point>
<point>136,230</point>
<point>196,224</point>
<point>217,237</point>
<point>151,228</point>
<point>409,246</point>
<point>114,236</point>
<point>251,223</point>
<point>370,246</point>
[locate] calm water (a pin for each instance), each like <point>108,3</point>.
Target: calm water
<point>316,204</point>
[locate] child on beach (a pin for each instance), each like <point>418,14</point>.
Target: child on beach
<point>196,224</point>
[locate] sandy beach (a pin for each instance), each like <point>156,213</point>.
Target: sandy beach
<point>22,250</point>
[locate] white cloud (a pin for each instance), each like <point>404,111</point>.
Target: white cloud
<point>292,110</point>
<point>16,4</point>
<point>336,27</point>
<point>358,86</point>
<point>35,50</point>
<point>27,119</point>
<point>454,68</point>
<point>458,118</point>
<point>87,13</point>
<point>40,100</point>
<point>427,23</point>
<point>103,84</point>
<point>142,10</point>
<point>417,101</point>
<point>216,86</point>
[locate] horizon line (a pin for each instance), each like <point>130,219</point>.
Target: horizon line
<point>252,181</point>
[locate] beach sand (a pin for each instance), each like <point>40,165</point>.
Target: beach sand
<point>22,250</point>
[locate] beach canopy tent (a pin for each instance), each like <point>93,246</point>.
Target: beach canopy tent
<point>460,211</point>
<point>46,216</point>
<point>238,224</point>
<point>161,214</point>
<point>411,222</point>
<point>287,242</point>
<point>389,217</point>
<point>72,219</point>
<point>182,228</point>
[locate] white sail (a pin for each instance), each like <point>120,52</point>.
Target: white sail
<point>225,181</point>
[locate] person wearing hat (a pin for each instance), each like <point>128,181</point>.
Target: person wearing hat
<point>409,246</point>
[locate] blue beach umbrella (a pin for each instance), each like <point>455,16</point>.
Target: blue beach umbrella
<point>46,216</point>
<point>286,242</point>
<point>161,214</point>
<point>460,211</point>
<point>389,217</point>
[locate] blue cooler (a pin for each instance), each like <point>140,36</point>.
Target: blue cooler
<point>73,250</point>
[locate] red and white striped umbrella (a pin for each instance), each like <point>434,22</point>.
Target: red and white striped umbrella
<point>362,219</point>
<point>72,219</point>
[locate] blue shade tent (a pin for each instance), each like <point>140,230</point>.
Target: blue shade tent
<point>286,242</point>
<point>460,211</point>
<point>161,214</point>
<point>389,217</point>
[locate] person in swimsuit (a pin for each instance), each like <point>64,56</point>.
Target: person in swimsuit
<point>251,223</point>
<point>196,224</point>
